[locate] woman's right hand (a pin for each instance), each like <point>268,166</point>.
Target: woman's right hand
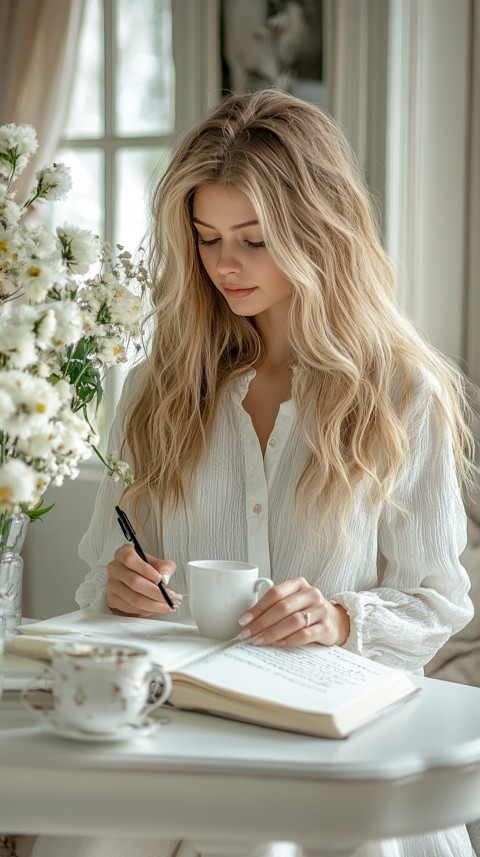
<point>132,584</point>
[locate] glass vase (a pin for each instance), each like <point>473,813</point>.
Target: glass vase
<point>13,529</point>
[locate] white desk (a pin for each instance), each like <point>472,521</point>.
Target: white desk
<point>226,785</point>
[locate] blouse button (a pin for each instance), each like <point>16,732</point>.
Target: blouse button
<point>257,508</point>
<point>273,441</point>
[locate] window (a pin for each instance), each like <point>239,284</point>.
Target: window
<point>144,69</point>
<point>122,116</point>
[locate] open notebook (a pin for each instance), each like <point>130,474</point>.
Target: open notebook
<point>316,690</point>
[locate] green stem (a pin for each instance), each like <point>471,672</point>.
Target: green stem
<point>5,525</point>
<point>32,199</point>
<point>100,456</point>
<point>17,294</point>
<point>12,174</point>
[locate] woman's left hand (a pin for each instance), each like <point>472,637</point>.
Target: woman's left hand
<point>293,613</point>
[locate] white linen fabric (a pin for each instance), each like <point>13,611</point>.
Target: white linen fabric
<point>396,572</point>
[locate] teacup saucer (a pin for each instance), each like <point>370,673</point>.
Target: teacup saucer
<point>130,732</point>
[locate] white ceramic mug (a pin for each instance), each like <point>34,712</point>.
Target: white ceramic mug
<point>101,687</point>
<point>219,592</point>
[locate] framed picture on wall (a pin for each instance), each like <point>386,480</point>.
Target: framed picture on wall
<point>274,43</point>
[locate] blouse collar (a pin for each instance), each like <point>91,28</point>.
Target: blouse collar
<point>239,389</point>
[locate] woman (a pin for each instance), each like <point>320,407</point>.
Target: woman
<point>288,414</point>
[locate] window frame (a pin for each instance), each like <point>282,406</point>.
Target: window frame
<point>196,57</point>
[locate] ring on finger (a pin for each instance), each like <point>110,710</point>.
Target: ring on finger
<point>306,616</point>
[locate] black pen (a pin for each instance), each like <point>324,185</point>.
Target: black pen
<point>131,536</point>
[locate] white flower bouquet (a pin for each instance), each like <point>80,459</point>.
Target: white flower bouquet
<point>61,327</point>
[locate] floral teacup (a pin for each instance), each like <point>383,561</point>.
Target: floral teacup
<point>102,687</point>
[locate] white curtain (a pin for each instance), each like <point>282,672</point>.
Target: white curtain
<point>355,43</point>
<point>38,40</point>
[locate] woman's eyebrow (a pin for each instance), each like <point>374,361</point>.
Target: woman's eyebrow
<point>237,225</point>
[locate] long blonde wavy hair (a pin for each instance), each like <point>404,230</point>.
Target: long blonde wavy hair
<point>351,346</point>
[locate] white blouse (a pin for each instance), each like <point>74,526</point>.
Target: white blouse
<point>397,574</point>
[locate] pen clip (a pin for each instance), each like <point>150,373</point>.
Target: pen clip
<point>126,528</point>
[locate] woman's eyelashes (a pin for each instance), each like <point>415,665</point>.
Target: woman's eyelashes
<point>254,245</point>
<point>205,243</point>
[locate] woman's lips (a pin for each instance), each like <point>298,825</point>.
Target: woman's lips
<point>237,291</point>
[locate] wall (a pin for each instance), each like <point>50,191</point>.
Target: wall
<point>52,567</point>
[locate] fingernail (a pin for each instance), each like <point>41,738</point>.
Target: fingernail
<point>245,619</point>
<point>257,641</point>
<point>244,635</point>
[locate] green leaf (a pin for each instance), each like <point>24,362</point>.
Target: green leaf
<point>38,511</point>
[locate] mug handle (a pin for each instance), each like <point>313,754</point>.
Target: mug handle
<point>153,676</point>
<point>33,684</point>
<point>264,583</point>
